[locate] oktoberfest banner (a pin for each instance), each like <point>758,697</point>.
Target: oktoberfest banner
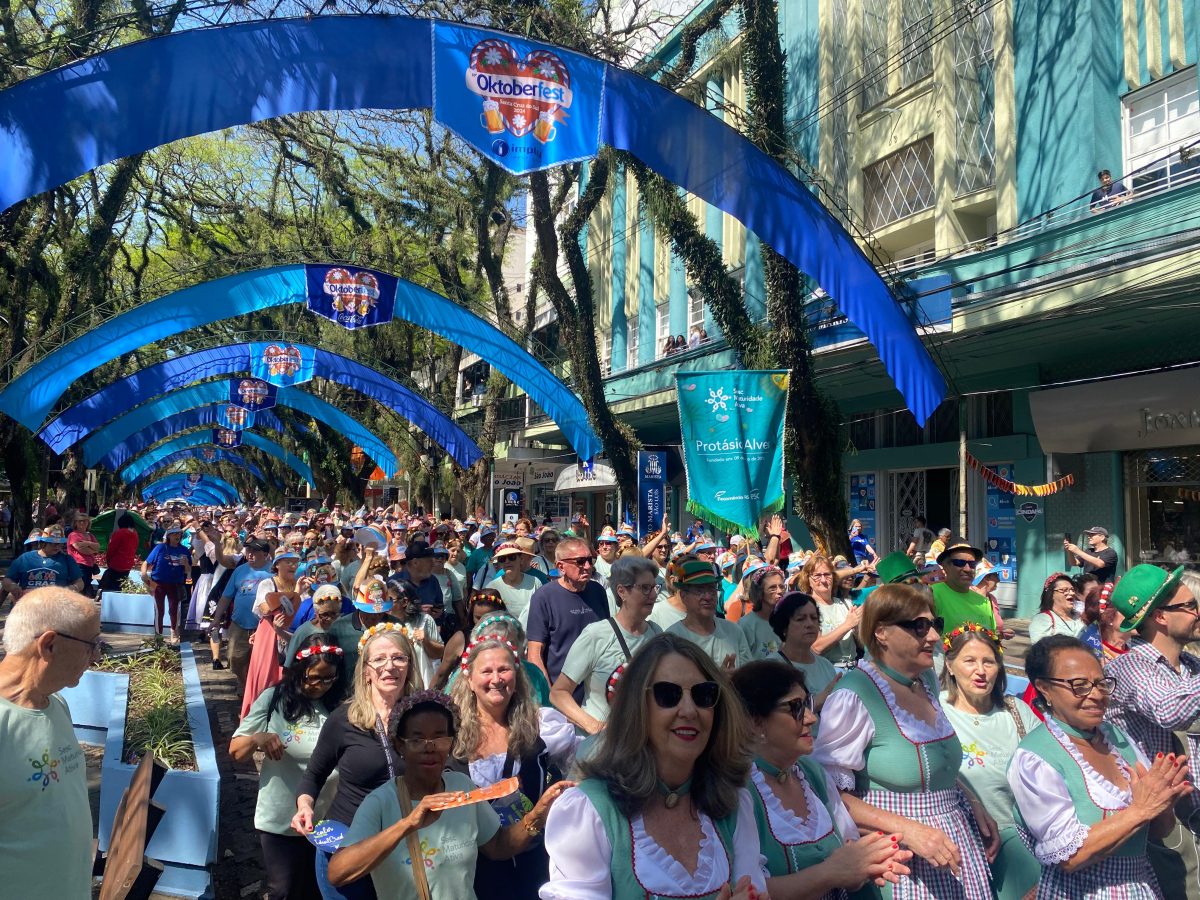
<point>732,428</point>
<point>227,438</point>
<point>651,491</point>
<point>252,394</point>
<point>353,298</point>
<point>234,417</point>
<point>282,364</point>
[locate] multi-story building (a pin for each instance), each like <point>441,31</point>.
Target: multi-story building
<point>961,142</point>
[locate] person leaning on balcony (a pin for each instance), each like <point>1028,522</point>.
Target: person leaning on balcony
<point>51,638</point>
<point>1109,194</point>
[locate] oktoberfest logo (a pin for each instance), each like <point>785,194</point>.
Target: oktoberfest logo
<point>209,454</point>
<point>519,95</point>
<point>282,361</point>
<point>252,393</point>
<point>194,477</point>
<point>352,292</point>
<point>226,437</point>
<point>236,416</point>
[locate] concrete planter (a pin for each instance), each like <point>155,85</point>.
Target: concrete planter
<point>186,839</point>
<point>128,613</point>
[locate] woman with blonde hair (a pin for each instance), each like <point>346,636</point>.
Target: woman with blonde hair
<point>504,733</point>
<point>354,741</point>
<point>666,783</point>
<point>839,618</point>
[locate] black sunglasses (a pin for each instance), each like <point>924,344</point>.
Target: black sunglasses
<point>798,707</point>
<point>668,694</point>
<point>920,626</point>
<point>962,563</point>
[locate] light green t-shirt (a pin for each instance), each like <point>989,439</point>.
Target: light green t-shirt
<point>594,656</point>
<point>818,674</point>
<point>727,638</point>
<point>958,607</point>
<point>986,749</point>
<point>450,846</point>
<point>603,566</point>
<point>516,599</point>
<point>762,638</point>
<point>45,819</point>
<point>664,615</point>
<point>279,779</point>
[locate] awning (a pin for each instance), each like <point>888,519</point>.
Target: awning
<point>573,479</point>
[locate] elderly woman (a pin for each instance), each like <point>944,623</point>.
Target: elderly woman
<point>354,741</point>
<point>413,818</point>
<point>165,572</point>
<point>602,647</point>
<point>895,756</point>
<point>989,726</point>
<point>283,724</point>
<point>275,604</point>
<point>83,547</point>
<point>765,590</point>
<point>504,733</point>
<point>839,618</point>
<point>811,844</point>
<point>663,810</point>
<point>1085,795</point>
<point>797,623</point>
<point>1058,613</point>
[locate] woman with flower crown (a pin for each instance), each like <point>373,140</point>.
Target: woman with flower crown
<point>989,726</point>
<point>504,733</point>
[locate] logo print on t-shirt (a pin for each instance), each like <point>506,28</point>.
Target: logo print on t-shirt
<point>44,770</point>
<point>427,854</point>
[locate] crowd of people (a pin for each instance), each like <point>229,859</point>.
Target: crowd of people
<point>452,709</point>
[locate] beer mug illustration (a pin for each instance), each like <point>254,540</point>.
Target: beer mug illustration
<point>544,130</point>
<point>491,119</point>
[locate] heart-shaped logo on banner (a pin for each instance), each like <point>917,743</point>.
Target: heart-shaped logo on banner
<point>520,95</point>
<point>282,360</point>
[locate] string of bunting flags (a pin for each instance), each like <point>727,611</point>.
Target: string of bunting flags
<point>1020,490</point>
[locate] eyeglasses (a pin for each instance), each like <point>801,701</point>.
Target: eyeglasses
<point>416,745</point>
<point>96,646</point>
<point>1064,590</point>
<point>821,575</point>
<point>1191,606</point>
<point>962,563</point>
<point>799,707</point>
<point>327,616</point>
<point>643,588</point>
<point>921,625</point>
<point>1081,687</point>
<point>389,662</point>
<point>319,682</point>
<point>668,694</point>
<point>579,561</point>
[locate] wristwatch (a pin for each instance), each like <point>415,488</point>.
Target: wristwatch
<point>533,830</point>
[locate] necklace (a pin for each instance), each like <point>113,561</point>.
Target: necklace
<point>671,796</point>
<point>780,775</point>
<point>891,673</point>
<point>1088,736</point>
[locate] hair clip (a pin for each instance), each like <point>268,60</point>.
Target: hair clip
<point>376,630</point>
<point>318,649</point>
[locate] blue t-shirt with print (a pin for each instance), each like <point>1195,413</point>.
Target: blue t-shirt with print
<point>32,570</point>
<point>242,587</point>
<point>166,563</point>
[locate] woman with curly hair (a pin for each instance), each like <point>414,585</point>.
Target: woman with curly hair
<point>411,835</point>
<point>663,809</point>
<point>504,733</point>
<point>839,618</point>
<point>283,724</point>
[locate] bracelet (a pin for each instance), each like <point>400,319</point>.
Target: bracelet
<point>533,830</point>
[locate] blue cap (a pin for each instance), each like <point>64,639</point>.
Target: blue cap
<point>705,545</point>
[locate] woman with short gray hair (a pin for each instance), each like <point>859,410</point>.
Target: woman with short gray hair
<point>602,649</point>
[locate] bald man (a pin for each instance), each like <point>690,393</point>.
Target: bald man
<point>51,638</point>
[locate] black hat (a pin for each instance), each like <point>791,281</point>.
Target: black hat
<point>418,550</point>
<point>258,544</point>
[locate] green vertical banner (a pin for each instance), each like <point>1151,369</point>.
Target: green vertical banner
<point>732,428</point>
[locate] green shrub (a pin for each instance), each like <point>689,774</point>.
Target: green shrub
<point>156,717</point>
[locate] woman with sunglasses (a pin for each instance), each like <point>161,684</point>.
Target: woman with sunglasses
<point>354,741</point>
<point>283,725</point>
<point>989,726</point>
<point>1085,794</point>
<point>662,810</point>
<point>811,844</point>
<point>413,836</point>
<point>839,619</point>
<point>895,757</point>
<point>1058,613</point>
<point>504,733</point>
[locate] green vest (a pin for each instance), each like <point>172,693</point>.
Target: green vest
<point>784,859</point>
<point>1043,744</point>
<point>892,761</point>
<point>625,885</point>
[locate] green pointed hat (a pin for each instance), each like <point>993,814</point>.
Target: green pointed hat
<point>1142,590</point>
<point>895,567</point>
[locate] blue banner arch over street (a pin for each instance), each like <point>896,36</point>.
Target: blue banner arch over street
<point>134,470</point>
<point>209,455</point>
<point>179,408</point>
<point>195,498</point>
<point>62,124</point>
<point>32,394</point>
<point>147,437</point>
<point>172,483</point>
<point>77,422</point>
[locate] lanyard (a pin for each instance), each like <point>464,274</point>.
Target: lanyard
<point>381,732</point>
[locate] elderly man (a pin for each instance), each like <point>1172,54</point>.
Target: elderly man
<point>560,609</point>
<point>241,590</point>
<point>699,585</point>
<point>1156,699</point>
<point>953,598</point>
<point>51,638</point>
<point>45,566</point>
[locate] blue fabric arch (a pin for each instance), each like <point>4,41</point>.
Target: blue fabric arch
<point>197,498</point>
<point>30,396</point>
<point>134,470</point>
<point>207,482</point>
<point>185,401</point>
<point>133,445</point>
<point>62,124</point>
<point>228,456</point>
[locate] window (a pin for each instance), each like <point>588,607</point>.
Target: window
<point>606,355</point>
<point>631,343</point>
<point>900,185</point>
<point>874,52</point>
<point>916,21</point>
<point>1159,120</point>
<point>695,310</point>
<point>662,329</point>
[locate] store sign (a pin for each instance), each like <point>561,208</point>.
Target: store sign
<point>598,477</point>
<point>1029,511</point>
<point>651,491</point>
<point>1001,545</point>
<point>543,474</point>
<point>508,475</point>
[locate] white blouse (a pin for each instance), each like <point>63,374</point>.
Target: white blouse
<point>557,733</point>
<point>791,830</point>
<point>267,586</point>
<point>581,855</point>
<point>1046,805</point>
<point>847,729</point>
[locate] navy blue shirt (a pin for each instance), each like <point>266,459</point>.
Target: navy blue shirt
<point>557,616</point>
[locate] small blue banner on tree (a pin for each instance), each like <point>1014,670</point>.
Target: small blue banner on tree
<point>227,438</point>
<point>351,297</point>
<point>282,364</point>
<point>652,491</point>
<point>732,428</point>
<point>253,394</point>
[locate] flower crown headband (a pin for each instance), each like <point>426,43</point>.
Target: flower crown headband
<point>379,629</point>
<point>972,628</point>
<point>318,649</point>
<point>490,639</point>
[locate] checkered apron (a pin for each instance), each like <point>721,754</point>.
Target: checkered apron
<point>946,810</point>
<point>1113,878</point>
